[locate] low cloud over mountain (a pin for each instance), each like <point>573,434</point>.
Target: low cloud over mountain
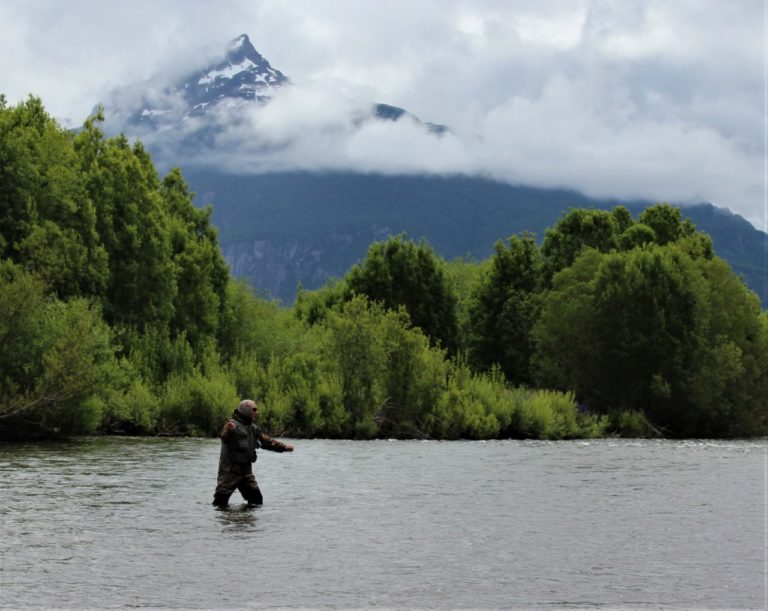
<point>652,98</point>
<point>243,115</point>
<point>577,130</point>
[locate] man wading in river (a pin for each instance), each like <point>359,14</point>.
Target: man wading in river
<point>239,439</point>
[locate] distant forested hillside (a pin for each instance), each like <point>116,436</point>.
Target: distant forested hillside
<point>281,230</point>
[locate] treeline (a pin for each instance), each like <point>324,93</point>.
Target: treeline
<point>118,315</point>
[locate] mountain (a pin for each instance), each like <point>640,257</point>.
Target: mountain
<point>183,118</point>
<point>280,229</point>
<point>395,113</point>
<point>241,76</point>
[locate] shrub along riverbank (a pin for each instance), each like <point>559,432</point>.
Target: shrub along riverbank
<point>118,315</point>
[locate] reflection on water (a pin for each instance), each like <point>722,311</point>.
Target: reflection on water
<point>112,522</point>
<point>240,520</point>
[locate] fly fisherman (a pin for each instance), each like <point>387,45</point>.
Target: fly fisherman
<point>240,438</point>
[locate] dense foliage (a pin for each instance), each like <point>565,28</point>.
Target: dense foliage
<point>398,272</point>
<point>118,314</point>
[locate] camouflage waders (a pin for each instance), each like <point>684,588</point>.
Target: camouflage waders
<point>239,440</point>
<point>244,482</point>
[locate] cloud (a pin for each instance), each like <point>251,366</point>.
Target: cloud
<point>568,138</point>
<point>581,134</point>
<point>312,128</point>
<point>635,98</point>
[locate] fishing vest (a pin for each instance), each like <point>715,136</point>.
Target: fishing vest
<point>241,445</point>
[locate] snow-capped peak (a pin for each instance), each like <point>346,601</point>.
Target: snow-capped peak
<point>224,92</point>
<point>241,75</point>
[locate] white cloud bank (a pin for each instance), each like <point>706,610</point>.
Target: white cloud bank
<point>651,99</point>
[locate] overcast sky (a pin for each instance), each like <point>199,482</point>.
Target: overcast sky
<point>616,98</point>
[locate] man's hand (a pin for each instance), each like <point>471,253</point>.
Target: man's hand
<point>288,447</point>
<point>228,428</point>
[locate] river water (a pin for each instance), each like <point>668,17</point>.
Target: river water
<point>122,522</point>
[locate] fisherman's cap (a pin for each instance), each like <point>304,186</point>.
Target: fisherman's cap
<point>246,407</point>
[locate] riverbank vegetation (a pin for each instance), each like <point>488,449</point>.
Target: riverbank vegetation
<point>118,315</point>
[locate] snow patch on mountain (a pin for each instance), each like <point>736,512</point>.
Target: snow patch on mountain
<point>228,72</point>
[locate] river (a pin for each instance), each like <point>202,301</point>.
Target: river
<point>127,522</point>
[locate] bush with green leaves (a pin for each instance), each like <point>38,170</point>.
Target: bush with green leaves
<point>133,409</point>
<point>547,414</point>
<point>56,359</point>
<point>196,404</point>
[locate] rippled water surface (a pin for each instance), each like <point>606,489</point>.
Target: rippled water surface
<point>405,524</point>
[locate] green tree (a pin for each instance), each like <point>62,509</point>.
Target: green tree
<point>635,236</point>
<point>464,277</point>
<point>623,218</point>
<point>312,307</point>
<point>657,330</point>
<point>389,376</point>
<point>415,375</point>
<point>398,272</point>
<point>729,371</point>
<point>503,309</point>
<point>47,220</point>
<point>578,229</point>
<point>667,223</point>
<point>133,227</point>
<point>258,328</point>
<point>356,349</point>
<point>668,226</point>
<point>615,327</point>
<point>201,272</point>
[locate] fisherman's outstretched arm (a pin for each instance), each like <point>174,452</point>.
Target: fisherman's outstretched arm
<point>267,443</point>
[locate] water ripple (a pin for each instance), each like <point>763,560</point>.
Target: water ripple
<point>586,524</point>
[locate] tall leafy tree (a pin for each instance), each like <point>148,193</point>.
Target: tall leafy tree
<point>729,372</point>
<point>502,310</point>
<point>667,223</point>
<point>607,231</point>
<point>398,272</point>
<point>647,329</point>
<point>577,229</point>
<point>201,272</point>
<point>47,220</point>
<point>356,349</point>
<point>133,227</point>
